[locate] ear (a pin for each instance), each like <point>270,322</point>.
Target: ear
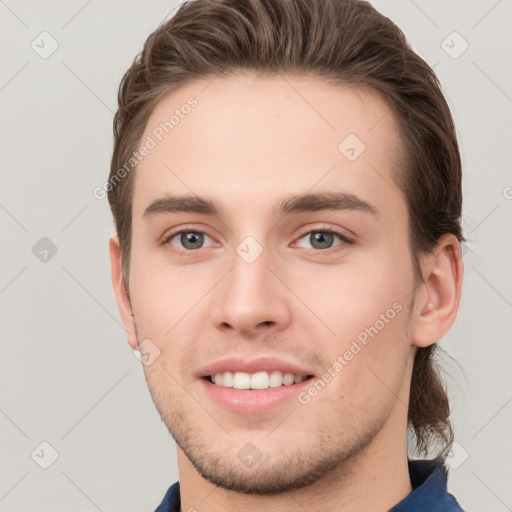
<point>438,296</point>
<point>123,302</point>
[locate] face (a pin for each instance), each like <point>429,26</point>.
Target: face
<point>270,251</point>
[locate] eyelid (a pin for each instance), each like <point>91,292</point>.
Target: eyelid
<point>323,228</point>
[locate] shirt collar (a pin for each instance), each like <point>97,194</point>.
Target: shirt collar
<point>429,480</point>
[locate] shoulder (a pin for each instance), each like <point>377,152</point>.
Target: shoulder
<point>171,501</point>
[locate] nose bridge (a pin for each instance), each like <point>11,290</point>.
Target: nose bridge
<point>251,295</point>
<point>250,272</point>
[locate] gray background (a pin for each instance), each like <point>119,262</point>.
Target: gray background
<point>67,375</point>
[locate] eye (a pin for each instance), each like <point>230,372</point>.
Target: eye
<point>190,240</point>
<point>323,239</point>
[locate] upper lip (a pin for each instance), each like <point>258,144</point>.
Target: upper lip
<point>240,364</point>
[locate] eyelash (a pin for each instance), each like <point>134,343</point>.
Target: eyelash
<point>189,229</point>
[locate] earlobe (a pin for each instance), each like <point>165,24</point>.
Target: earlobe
<point>122,299</point>
<point>438,297</point>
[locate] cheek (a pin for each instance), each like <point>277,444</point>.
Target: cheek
<point>353,296</point>
<point>368,362</point>
<point>366,307</point>
<point>160,295</point>
<point>173,307</point>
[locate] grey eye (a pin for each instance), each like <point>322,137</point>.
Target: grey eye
<point>190,240</point>
<point>322,239</point>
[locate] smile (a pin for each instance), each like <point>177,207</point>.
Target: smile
<point>258,380</point>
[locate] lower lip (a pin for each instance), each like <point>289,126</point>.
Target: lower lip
<point>248,400</point>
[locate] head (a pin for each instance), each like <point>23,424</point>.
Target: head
<point>248,104</point>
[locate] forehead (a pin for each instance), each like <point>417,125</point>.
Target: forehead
<point>253,139</point>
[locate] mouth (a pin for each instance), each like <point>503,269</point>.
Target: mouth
<point>249,386</point>
<point>256,381</point>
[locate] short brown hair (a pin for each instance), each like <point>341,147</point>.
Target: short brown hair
<point>341,41</point>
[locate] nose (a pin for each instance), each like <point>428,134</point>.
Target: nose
<point>251,299</point>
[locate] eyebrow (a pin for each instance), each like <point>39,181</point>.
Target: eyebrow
<point>309,202</point>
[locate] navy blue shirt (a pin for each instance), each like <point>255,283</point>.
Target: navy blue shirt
<point>428,479</point>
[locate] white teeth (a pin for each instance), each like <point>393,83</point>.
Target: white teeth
<point>258,380</point>
<point>288,379</point>
<point>276,379</point>
<point>227,380</point>
<point>241,380</point>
